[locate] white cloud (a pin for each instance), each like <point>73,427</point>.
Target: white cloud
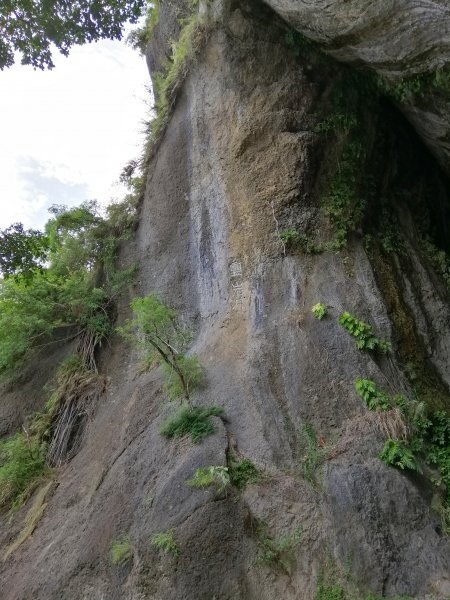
<point>68,132</point>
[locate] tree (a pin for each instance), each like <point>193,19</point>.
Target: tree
<point>22,252</point>
<point>157,330</point>
<point>32,27</point>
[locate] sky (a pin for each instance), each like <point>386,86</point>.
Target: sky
<point>66,134</point>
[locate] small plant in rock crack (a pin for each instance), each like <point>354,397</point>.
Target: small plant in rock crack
<point>121,551</point>
<point>372,396</point>
<point>280,553</point>
<point>166,541</point>
<point>363,334</point>
<point>156,329</point>
<point>397,454</point>
<point>289,235</point>
<point>217,476</point>
<point>243,473</point>
<point>192,420</point>
<point>319,310</point>
<point>313,456</point>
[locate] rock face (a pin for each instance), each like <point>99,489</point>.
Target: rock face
<point>398,39</point>
<point>240,161</point>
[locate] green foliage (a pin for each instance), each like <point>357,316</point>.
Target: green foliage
<point>372,396</point>
<point>313,457</point>
<point>294,240</point>
<point>398,454</point>
<point>192,372</point>
<point>32,29</point>
<point>418,86</point>
<point>156,329</point>
<point>363,334</point>
<point>343,203</point>
<point>184,52</point>
<point>341,121</point>
<point>166,541</point>
<point>278,553</point>
<point>319,310</point>
<point>22,252</point>
<point>140,37</point>
<point>328,591</point>
<point>217,476</point>
<point>121,551</point>
<point>191,420</point>
<point>439,258</point>
<point>72,294</point>
<point>428,440</point>
<point>243,473</point>
<point>289,235</point>
<point>437,448</point>
<point>22,461</point>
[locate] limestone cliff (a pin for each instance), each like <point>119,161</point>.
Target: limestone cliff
<point>262,128</point>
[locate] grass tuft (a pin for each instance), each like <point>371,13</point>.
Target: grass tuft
<point>194,421</point>
<point>121,551</point>
<point>166,541</point>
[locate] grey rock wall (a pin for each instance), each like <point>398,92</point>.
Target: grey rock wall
<point>238,162</point>
<point>397,39</point>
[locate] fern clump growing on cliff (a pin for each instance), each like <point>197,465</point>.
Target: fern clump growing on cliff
<point>420,436</point>
<point>278,553</point>
<point>363,333</point>
<point>121,551</point>
<point>216,476</point>
<point>165,541</point>
<point>191,420</point>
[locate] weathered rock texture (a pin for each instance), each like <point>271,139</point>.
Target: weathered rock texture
<point>398,39</point>
<point>240,161</point>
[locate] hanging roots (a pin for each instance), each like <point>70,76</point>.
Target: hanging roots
<point>391,424</point>
<point>86,350</point>
<point>78,395</point>
<point>79,387</point>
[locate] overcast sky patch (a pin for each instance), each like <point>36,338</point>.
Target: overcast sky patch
<point>66,134</point>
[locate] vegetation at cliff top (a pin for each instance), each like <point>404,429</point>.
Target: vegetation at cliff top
<point>141,36</point>
<point>33,29</point>
<point>194,31</point>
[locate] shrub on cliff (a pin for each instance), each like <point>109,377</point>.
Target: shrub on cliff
<point>156,329</point>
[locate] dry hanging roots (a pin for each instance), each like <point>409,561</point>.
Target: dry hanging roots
<point>391,424</point>
<point>78,394</point>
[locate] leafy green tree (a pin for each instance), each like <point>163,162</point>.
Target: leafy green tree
<point>72,293</point>
<point>158,331</point>
<point>32,27</point>
<point>22,251</point>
